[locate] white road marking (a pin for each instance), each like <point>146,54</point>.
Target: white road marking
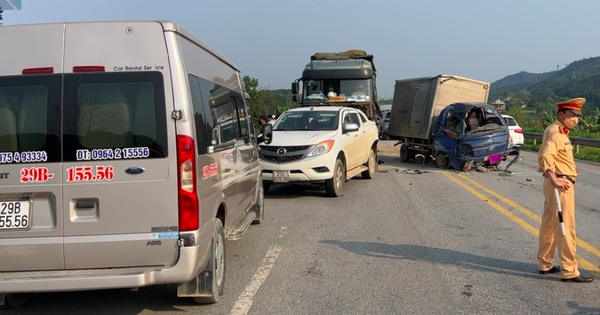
<point>282,231</point>
<point>244,301</point>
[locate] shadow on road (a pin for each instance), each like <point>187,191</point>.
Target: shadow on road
<point>148,300</point>
<point>441,256</point>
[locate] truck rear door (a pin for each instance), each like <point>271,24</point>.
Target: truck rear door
<point>418,118</point>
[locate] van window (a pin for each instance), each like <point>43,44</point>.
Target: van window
<point>201,116</point>
<point>30,119</point>
<point>241,114</point>
<point>219,112</point>
<point>121,114</point>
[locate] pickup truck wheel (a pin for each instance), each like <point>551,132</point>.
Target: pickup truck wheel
<point>216,267</point>
<point>334,186</point>
<point>371,164</point>
<point>443,160</point>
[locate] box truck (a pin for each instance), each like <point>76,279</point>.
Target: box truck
<point>445,117</point>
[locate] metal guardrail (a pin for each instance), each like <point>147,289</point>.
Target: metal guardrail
<point>574,140</point>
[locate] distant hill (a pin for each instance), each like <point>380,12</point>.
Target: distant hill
<point>580,78</point>
<point>516,82</point>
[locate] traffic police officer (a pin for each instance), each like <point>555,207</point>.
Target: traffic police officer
<point>557,164</point>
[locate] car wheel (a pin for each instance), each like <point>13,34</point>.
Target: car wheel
<point>371,165</point>
<point>266,187</point>
<point>259,207</point>
<point>216,268</point>
<point>334,186</point>
<point>443,160</point>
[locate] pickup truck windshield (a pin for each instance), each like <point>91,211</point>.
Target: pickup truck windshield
<point>338,90</point>
<point>307,120</point>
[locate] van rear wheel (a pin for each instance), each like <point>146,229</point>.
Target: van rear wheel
<point>215,271</point>
<point>335,185</point>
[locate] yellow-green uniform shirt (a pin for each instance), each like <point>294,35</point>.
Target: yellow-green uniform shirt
<point>556,152</point>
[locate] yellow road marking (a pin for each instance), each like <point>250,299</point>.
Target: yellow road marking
<point>585,245</point>
<point>584,263</point>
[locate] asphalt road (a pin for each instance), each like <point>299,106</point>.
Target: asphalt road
<point>413,240</point>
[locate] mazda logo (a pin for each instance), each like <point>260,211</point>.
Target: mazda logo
<point>281,151</point>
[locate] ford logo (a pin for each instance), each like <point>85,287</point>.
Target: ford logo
<point>134,170</point>
<point>281,151</point>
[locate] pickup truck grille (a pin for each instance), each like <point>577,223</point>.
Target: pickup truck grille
<point>283,154</point>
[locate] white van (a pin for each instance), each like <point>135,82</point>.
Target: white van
<point>127,157</point>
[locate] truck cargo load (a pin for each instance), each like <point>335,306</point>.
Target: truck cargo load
<point>345,78</point>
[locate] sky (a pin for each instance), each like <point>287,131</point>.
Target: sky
<point>272,40</point>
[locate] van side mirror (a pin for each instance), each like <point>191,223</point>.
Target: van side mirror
<point>295,87</point>
<point>267,133</point>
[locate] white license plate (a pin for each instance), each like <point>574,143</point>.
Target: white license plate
<point>281,176</point>
<point>15,215</point>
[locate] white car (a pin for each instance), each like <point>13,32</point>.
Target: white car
<point>386,125</point>
<point>516,132</point>
<point>324,144</point>
<point>380,121</point>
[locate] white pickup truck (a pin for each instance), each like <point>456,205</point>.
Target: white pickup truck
<point>324,144</point>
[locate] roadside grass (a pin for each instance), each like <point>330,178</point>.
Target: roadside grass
<point>585,153</point>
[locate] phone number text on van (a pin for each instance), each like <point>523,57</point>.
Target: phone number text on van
<point>23,157</point>
<point>112,154</point>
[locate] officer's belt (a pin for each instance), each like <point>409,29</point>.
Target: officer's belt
<point>567,177</point>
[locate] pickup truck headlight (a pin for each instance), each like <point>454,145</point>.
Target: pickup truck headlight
<point>322,148</point>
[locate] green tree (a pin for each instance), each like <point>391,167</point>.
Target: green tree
<point>1,11</point>
<point>518,114</point>
<point>262,100</point>
<point>251,85</point>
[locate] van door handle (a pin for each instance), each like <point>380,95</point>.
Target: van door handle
<point>84,205</point>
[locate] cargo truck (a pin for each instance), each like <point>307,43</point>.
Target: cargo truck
<point>445,117</point>
<point>340,79</point>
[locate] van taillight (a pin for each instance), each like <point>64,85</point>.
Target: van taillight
<point>189,211</point>
<point>519,130</point>
<point>88,69</point>
<point>38,70</point>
